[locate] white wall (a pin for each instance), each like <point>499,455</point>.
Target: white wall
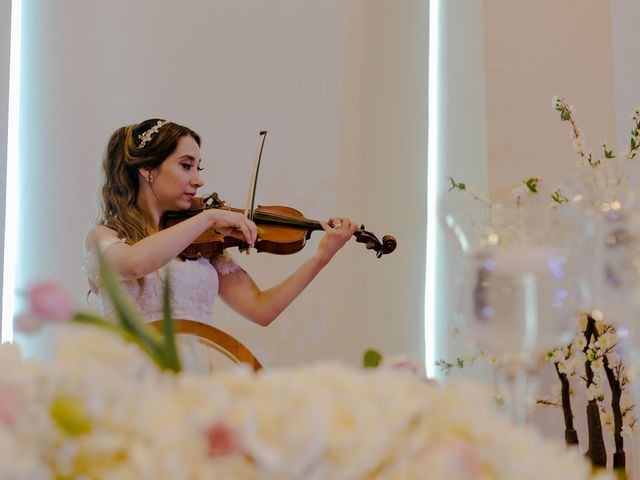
<point>625,18</point>
<point>535,50</point>
<point>341,87</point>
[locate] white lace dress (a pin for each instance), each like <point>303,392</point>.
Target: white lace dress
<point>194,288</point>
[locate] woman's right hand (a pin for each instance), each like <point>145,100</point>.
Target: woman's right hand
<point>233,224</point>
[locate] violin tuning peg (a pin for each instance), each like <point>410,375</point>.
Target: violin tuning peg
<point>216,201</point>
<point>362,227</point>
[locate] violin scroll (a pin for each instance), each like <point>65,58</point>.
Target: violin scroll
<point>389,244</point>
<point>371,242</point>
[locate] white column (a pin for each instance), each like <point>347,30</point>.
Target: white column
<point>458,149</point>
<point>5,41</point>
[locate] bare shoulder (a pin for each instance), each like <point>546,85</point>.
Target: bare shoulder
<point>98,234</point>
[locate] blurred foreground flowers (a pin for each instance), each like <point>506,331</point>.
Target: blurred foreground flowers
<point>105,406</point>
<point>102,409</point>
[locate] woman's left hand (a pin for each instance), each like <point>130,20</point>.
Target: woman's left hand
<point>338,231</point>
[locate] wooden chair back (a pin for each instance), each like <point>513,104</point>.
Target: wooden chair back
<point>215,338</point>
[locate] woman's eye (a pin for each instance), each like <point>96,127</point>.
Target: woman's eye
<point>187,166</point>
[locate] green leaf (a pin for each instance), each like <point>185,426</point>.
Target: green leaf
<point>371,358</point>
<point>559,198</point>
<point>90,319</point>
<point>171,351</point>
<point>445,366</point>
<point>456,186</point>
<point>564,115</point>
<point>532,184</point>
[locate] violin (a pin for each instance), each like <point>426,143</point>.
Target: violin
<point>281,230</point>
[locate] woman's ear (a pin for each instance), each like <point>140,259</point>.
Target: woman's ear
<point>146,174</point>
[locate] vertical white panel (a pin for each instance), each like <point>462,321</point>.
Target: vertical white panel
<point>341,87</point>
<point>5,38</point>
<point>462,145</point>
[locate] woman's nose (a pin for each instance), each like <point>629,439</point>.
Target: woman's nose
<point>196,180</point>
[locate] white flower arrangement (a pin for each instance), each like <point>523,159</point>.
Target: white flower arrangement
<point>101,409</point>
<point>112,403</point>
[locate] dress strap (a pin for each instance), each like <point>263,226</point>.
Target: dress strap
<point>90,264</point>
<point>225,264</point>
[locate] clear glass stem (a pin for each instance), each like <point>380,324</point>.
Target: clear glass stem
<point>516,382</point>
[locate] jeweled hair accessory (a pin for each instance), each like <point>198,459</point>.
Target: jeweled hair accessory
<point>148,135</point>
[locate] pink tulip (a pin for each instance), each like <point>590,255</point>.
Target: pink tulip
<point>50,302</point>
<point>26,323</point>
<point>222,440</point>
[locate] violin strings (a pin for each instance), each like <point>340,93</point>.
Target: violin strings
<point>291,219</point>
<point>283,217</point>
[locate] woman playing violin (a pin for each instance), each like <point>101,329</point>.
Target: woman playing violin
<point>152,168</point>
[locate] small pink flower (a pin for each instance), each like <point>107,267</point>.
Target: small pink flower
<point>404,363</point>
<point>26,323</point>
<point>9,400</point>
<point>50,302</point>
<point>222,440</point>
<point>457,457</point>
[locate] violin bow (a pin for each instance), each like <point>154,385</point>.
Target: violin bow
<point>251,193</point>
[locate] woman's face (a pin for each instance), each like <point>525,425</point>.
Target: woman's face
<point>176,181</point>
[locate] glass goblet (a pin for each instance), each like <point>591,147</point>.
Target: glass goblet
<point>519,302</point>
